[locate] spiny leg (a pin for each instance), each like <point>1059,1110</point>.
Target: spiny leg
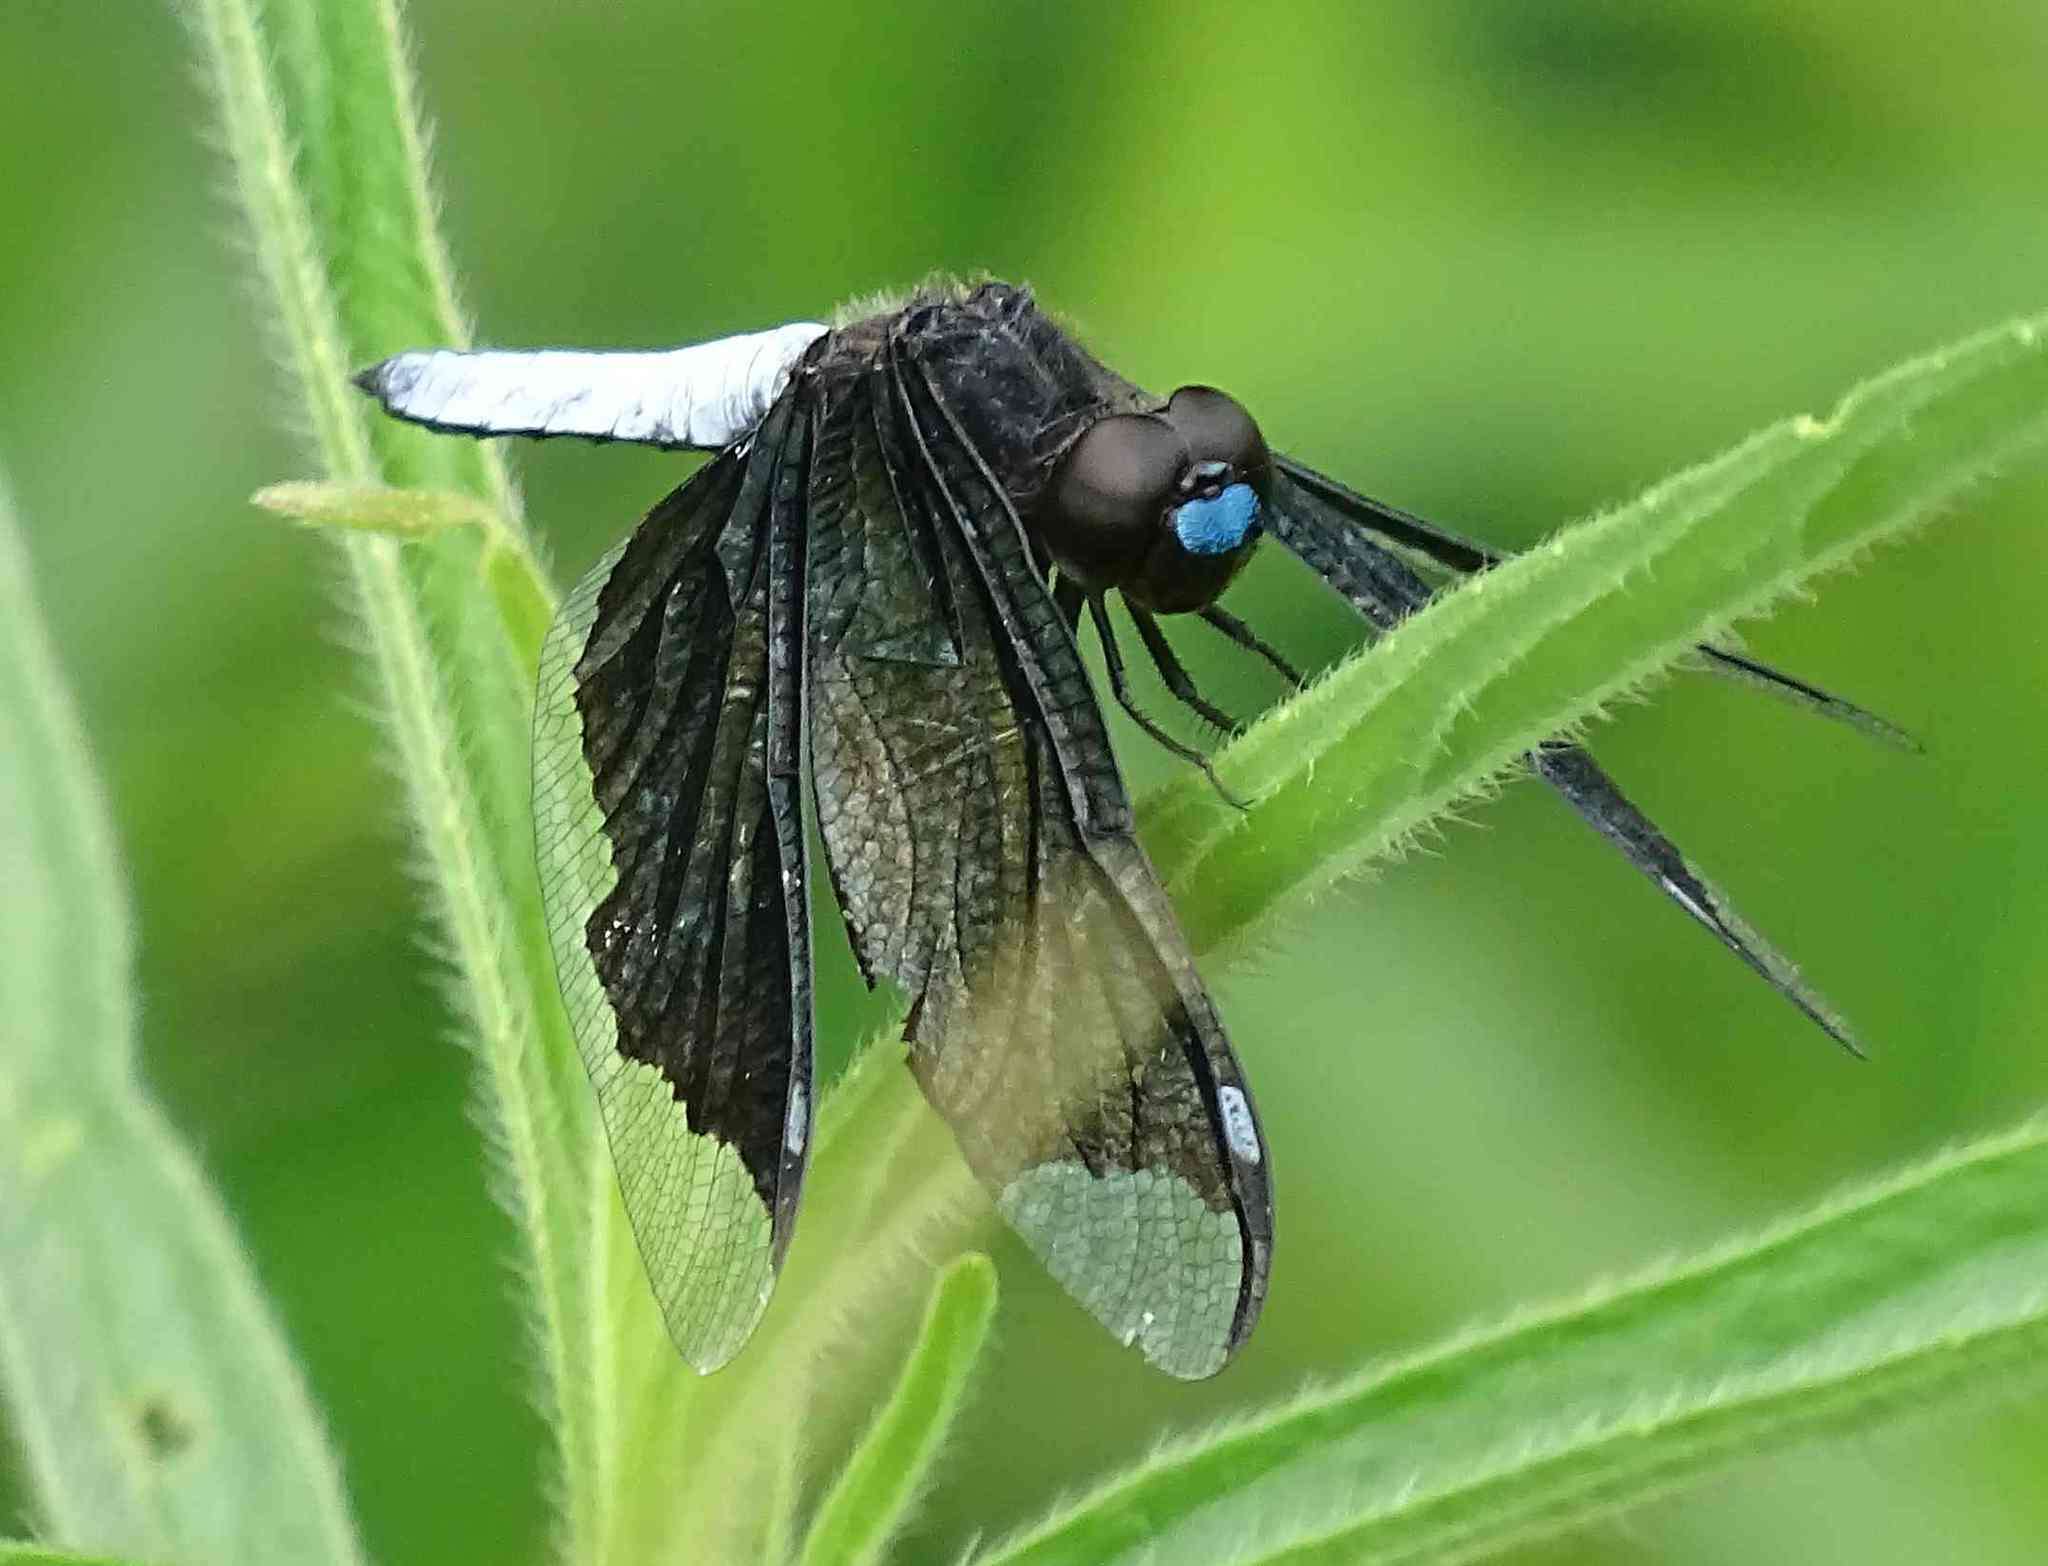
<point>1176,677</point>
<point>1098,611</point>
<point>1244,636</point>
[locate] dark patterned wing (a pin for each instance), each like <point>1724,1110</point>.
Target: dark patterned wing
<point>980,843</point>
<point>1325,524</point>
<point>1456,554</point>
<point>669,827</point>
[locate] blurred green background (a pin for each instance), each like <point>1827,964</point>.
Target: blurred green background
<point>1499,261</point>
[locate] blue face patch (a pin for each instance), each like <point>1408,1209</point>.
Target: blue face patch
<point>1215,527</point>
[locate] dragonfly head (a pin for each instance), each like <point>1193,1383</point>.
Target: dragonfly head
<point>1164,507</point>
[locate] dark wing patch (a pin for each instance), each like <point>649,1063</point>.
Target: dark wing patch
<point>979,838</point>
<point>1385,589</point>
<point>1450,550</point>
<point>1594,795</point>
<point>1454,553</point>
<point>666,746</point>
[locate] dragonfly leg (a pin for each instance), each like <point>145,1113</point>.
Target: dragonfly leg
<point>1176,677</point>
<point>1244,636</point>
<point>1098,611</point>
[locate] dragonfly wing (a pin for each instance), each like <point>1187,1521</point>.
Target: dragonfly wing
<point>980,838</point>
<point>1331,537</point>
<point>1456,554</point>
<point>669,830</point>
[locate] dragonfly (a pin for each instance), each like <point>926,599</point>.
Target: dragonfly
<point>866,610</point>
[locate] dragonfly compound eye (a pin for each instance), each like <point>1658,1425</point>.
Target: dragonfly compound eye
<point>1110,495</point>
<point>1217,429</point>
<point>1217,506</point>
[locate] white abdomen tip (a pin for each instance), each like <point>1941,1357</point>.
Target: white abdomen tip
<point>706,396</point>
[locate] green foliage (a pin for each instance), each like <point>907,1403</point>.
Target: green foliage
<point>409,514</point>
<point>1889,1300</point>
<point>342,234</point>
<point>1350,770</point>
<point>1921,1291</point>
<point>342,229</point>
<point>158,1410</point>
<point>865,1507</point>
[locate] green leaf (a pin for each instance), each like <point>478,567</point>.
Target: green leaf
<point>15,1552</point>
<point>158,1408</point>
<point>1897,1299</point>
<point>342,82</point>
<point>327,154</point>
<point>1351,769</point>
<point>410,515</point>
<point>341,222</point>
<point>866,1506</point>
<point>376,508</point>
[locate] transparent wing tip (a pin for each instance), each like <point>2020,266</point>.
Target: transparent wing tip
<point>1745,670</point>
